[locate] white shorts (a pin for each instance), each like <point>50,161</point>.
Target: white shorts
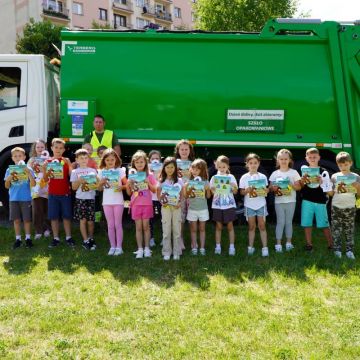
<point>195,215</point>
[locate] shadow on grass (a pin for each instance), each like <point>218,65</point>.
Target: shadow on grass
<point>196,270</point>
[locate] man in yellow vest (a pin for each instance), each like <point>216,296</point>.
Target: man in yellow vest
<point>101,137</point>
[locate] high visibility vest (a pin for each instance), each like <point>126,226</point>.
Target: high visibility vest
<point>105,141</point>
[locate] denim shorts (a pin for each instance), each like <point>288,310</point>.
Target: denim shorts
<point>310,209</point>
<point>258,212</point>
<point>59,207</point>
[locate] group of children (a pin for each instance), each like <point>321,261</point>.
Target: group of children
<point>179,188</point>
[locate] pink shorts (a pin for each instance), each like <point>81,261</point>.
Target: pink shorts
<point>142,212</point>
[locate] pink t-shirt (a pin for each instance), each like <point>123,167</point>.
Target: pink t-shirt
<point>143,197</point>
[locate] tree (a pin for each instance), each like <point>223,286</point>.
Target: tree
<point>38,38</point>
<point>237,15</point>
<point>96,25</point>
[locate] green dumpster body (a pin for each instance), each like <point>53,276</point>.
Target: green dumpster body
<point>292,85</point>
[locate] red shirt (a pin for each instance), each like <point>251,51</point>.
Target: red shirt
<point>60,186</point>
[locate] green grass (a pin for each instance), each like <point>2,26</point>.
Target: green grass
<point>73,304</point>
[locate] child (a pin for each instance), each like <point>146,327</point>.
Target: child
<point>59,201</point>
<point>198,209</point>
<point>155,167</point>
<point>84,209</point>
<point>343,209</point>
<point>171,214</point>
<point>113,199</point>
<point>20,197</point>
<point>184,151</point>
<point>100,152</point>
<point>223,186</point>
<point>91,162</point>
<point>255,205</point>
<point>314,201</point>
<point>141,202</point>
<point>284,182</point>
<point>39,192</point>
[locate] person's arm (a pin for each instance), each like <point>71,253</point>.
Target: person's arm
<point>8,180</point>
<point>30,177</point>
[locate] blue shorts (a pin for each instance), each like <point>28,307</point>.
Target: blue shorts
<point>59,206</point>
<point>258,212</point>
<point>309,209</point>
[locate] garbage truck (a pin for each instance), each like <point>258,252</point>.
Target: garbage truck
<point>296,84</point>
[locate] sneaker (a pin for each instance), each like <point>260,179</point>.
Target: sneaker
<point>232,251</point>
<point>338,254</point>
<point>152,242</point>
<point>139,253</point>
<point>118,251</point>
<point>289,246</point>
<point>194,251</point>
<point>47,233</point>
<point>37,236</point>
<point>147,252</point>
<point>350,255</point>
<point>70,242</point>
<point>86,245</point>
<point>166,257</point>
<point>111,251</point>
<point>176,257</point>
<point>278,248</point>
<point>251,250</point>
<point>202,252</point>
<point>54,243</point>
<point>218,250</point>
<point>265,251</point>
<point>17,244</point>
<point>309,247</point>
<point>92,244</point>
<point>28,243</point>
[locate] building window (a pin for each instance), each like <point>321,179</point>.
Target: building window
<point>103,14</point>
<point>77,8</point>
<point>177,12</point>
<point>141,23</point>
<point>119,21</point>
<point>140,3</point>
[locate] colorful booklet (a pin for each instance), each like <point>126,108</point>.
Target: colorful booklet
<point>284,187</point>
<point>37,164</point>
<point>311,176</point>
<point>56,170</point>
<point>18,174</point>
<point>112,176</point>
<point>156,167</point>
<point>344,184</point>
<point>170,194</point>
<point>196,189</point>
<point>184,166</point>
<point>222,185</point>
<point>258,188</point>
<point>139,180</point>
<point>90,184</point>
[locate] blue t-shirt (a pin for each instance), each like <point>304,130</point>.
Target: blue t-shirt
<point>19,191</point>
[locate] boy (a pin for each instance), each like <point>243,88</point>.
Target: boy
<point>84,209</point>
<point>314,201</point>
<point>20,198</point>
<point>59,201</point>
<point>343,208</point>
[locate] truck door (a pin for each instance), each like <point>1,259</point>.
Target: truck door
<point>13,102</point>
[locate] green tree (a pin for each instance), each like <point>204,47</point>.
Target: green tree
<point>38,38</point>
<point>96,25</point>
<point>237,15</point>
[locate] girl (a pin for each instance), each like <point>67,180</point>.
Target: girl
<point>255,204</point>
<point>169,183</point>
<point>141,202</point>
<point>198,208</point>
<point>39,192</point>
<point>155,167</point>
<point>223,186</point>
<point>284,182</point>
<point>113,200</point>
<point>184,153</point>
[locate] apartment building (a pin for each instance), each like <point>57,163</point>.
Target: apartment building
<point>81,14</point>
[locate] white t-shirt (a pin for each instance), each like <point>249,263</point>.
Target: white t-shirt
<point>257,202</point>
<point>343,200</point>
<point>75,174</point>
<point>111,197</point>
<point>223,201</point>
<point>293,176</point>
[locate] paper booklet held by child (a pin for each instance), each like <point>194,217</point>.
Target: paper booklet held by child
<point>344,184</point>
<point>139,180</point>
<point>18,174</point>
<point>257,188</point>
<point>184,166</point>
<point>283,187</point>
<point>170,194</point>
<point>113,177</point>
<point>196,189</point>
<point>55,168</point>
<point>311,176</point>
<point>222,185</point>
<point>90,182</point>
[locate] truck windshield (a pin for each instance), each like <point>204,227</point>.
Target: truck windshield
<point>9,87</point>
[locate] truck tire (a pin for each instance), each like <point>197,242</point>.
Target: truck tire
<point>5,161</point>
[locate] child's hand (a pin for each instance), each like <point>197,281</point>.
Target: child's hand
<point>9,178</point>
<point>179,174</point>
<point>320,179</point>
<point>356,185</point>
<point>266,190</point>
<point>234,188</point>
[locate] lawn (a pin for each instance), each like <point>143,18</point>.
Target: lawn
<point>72,304</point>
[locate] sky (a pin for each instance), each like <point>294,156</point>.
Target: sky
<point>339,10</point>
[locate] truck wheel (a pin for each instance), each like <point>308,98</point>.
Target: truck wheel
<point>5,161</point>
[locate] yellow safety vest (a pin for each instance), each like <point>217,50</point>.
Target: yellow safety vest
<point>105,141</point>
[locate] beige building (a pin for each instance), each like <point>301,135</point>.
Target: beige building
<point>81,14</point>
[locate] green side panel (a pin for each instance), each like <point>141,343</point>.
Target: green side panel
<point>166,86</point>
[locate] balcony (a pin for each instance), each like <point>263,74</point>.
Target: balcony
<point>55,10</point>
<point>158,14</point>
<point>123,5</point>
<point>117,26</point>
<point>165,1</point>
